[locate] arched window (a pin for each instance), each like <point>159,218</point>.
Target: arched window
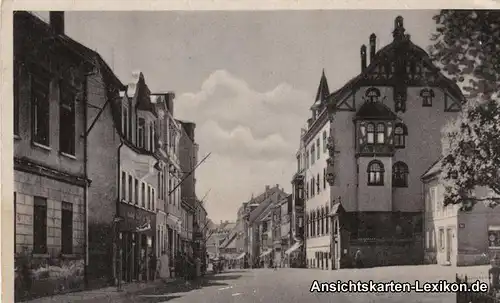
<point>312,187</point>
<point>375,173</point>
<point>400,174</point>
<point>370,133</point>
<point>400,133</point>
<point>380,133</point>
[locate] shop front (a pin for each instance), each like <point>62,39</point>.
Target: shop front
<point>137,244</point>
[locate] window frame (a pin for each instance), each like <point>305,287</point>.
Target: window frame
<point>400,174</point>
<point>40,232</point>
<point>67,131</point>
<point>67,228</point>
<point>370,130</point>
<point>400,136</point>
<point>38,84</point>
<point>381,171</point>
<point>380,130</point>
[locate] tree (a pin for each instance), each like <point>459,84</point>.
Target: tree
<point>467,47</point>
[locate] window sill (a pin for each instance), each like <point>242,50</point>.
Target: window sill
<point>69,256</point>
<point>375,184</point>
<point>41,255</point>
<point>17,137</point>
<point>39,145</point>
<point>67,155</point>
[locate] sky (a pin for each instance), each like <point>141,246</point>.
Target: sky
<point>246,78</point>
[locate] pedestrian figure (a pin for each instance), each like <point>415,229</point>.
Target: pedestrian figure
<point>358,259</point>
<point>152,266</point>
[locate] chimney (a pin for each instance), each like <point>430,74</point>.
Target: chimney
<point>189,127</point>
<point>170,96</point>
<point>277,186</point>
<point>57,22</point>
<point>363,57</point>
<point>267,188</point>
<point>373,46</point>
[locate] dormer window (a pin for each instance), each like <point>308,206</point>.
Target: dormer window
<point>141,133</point>
<point>372,94</point>
<point>427,96</point>
<point>375,173</point>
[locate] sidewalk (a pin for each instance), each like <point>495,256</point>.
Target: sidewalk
<point>108,293</point>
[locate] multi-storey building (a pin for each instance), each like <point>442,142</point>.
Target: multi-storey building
<point>454,236</point>
<point>262,205</point>
<point>385,132</point>
<point>188,156</point>
<point>50,180</point>
<point>200,233</point>
<point>282,232</point>
<point>317,190</point>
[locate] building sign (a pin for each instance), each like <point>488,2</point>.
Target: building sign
<point>136,220</point>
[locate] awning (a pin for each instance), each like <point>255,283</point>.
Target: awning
<point>240,256</point>
<point>293,248</point>
<point>267,252</point>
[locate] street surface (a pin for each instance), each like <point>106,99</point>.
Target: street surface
<point>291,285</point>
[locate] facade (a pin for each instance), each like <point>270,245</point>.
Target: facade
<point>265,227</point>
<point>263,205</point>
<point>298,219</point>
<point>188,157</point>
<point>200,235</point>
<point>399,103</point>
<point>317,190</point>
<point>282,232</point>
<point>50,181</point>
<point>453,236</point>
<point>218,235</point>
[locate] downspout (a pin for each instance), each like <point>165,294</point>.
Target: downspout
<point>117,220</point>
<point>85,190</point>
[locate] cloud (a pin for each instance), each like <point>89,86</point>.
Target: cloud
<point>253,137</point>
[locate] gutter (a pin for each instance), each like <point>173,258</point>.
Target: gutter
<point>116,221</point>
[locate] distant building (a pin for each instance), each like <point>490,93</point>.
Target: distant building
<point>456,237</point>
<point>253,227</point>
<point>385,132</point>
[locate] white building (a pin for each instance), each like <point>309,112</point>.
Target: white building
<point>317,189</point>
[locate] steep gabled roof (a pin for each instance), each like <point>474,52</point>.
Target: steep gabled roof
<point>400,48</point>
<point>375,110</point>
<point>323,90</point>
<point>433,170</point>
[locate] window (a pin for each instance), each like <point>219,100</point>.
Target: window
<point>441,238</point>
<point>40,225</point>
<point>17,73</point>
<point>306,156</point>
<point>318,188</point>
<point>427,96</point>
<point>318,147</point>
<point>67,121</point>
<point>298,163</point>
<point>40,110</point>
<point>124,185</point>
<point>327,227</point>
<point>313,189</point>
<point>125,120</point>
<point>324,142</point>
<point>136,192</point>
<point>153,197</point>
<point>67,228</point>
<point>400,132</point>
<point>151,137</point>
<point>313,156</point>
<point>375,173</point>
<point>143,195</point>
<point>380,133</point>
<point>370,133</point>
<point>130,186</point>
<point>169,189</point>
<point>324,178</point>
<point>400,175</point>
<point>494,236</point>
<point>140,133</point>
<point>427,239</point>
